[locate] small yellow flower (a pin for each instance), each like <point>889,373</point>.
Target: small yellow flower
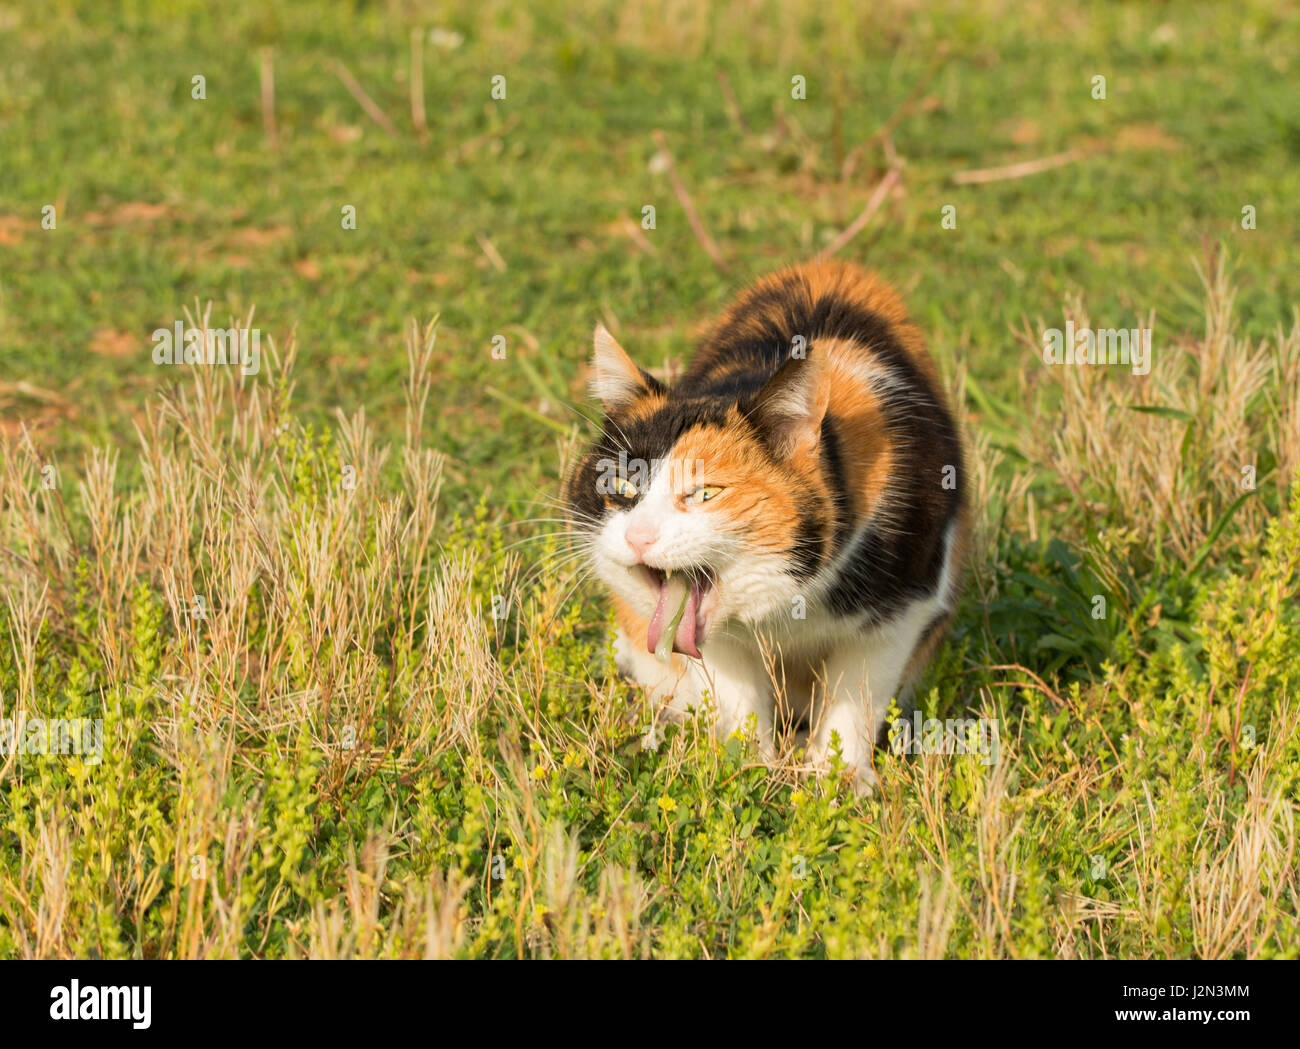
<point>539,773</point>
<point>667,804</point>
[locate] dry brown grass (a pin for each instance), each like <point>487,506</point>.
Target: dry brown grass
<point>1175,476</point>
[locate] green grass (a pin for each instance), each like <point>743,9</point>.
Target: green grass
<point>351,741</point>
<point>117,126</point>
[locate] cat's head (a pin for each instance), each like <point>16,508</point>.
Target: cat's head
<point>705,506</point>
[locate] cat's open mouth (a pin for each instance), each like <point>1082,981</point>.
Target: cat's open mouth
<point>685,602</point>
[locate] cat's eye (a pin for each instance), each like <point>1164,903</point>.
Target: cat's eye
<point>703,493</point>
<point>624,488</point>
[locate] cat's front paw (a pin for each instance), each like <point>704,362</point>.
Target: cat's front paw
<point>860,771</point>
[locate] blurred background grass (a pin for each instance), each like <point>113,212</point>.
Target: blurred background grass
<point>163,199</point>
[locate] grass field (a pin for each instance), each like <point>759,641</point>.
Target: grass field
<point>351,703</point>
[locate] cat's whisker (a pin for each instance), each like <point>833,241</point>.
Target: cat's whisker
<point>557,562</point>
<point>559,605</point>
<point>553,567</point>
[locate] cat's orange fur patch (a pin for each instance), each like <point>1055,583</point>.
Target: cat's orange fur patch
<point>759,495</point>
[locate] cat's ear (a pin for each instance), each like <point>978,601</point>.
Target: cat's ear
<point>790,408</point>
<point>616,381</point>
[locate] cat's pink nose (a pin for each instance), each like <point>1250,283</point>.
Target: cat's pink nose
<point>640,537</point>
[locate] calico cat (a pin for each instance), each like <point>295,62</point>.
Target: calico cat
<point>791,512</point>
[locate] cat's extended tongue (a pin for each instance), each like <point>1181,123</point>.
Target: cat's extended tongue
<point>672,627</point>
